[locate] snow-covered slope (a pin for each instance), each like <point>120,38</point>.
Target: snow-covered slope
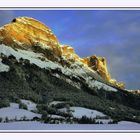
<point>75,71</point>
<point>30,105</point>
<point>14,113</point>
<point>78,112</point>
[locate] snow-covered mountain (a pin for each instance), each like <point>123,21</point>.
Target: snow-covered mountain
<point>35,66</point>
<point>30,39</point>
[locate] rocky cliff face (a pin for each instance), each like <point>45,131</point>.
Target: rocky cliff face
<point>99,65</point>
<point>29,34</point>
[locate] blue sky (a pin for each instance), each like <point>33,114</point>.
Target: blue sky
<point>114,34</point>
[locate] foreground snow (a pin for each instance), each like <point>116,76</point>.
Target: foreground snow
<point>29,125</point>
<point>14,113</point>
<point>78,112</point>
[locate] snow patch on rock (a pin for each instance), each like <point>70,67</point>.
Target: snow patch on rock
<point>55,102</point>
<point>3,67</point>
<point>99,85</point>
<point>34,58</point>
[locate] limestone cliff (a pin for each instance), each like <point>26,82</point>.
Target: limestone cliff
<point>94,62</point>
<point>26,33</point>
<point>98,64</point>
<point>29,34</point>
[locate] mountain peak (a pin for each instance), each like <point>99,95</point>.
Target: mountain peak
<point>30,34</point>
<point>25,32</point>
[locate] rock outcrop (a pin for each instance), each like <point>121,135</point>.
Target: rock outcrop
<point>98,64</point>
<point>134,91</point>
<point>26,33</point>
<point>69,54</point>
<point>29,34</point>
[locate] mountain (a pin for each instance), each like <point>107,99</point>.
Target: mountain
<point>29,34</point>
<point>35,66</point>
